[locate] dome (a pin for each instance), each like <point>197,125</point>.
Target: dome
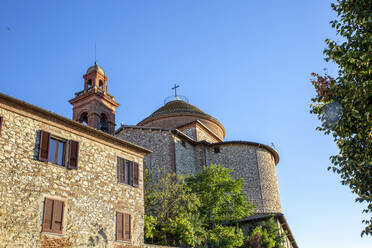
<point>95,67</point>
<point>178,106</point>
<point>177,113</point>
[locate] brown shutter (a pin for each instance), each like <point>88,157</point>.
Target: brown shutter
<point>73,154</point>
<point>57,216</point>
<point>126,170</point>
<point>135,174</point>
<point>120,163</point>
<point>130,173</point>
<point>127,227</point>
<point>44,146</point>
<point>1,123</point>
<point>119,226</point>
<point>48,215</point>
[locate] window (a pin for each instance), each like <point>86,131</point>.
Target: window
<point>1,123</point>
<point>53,149</point>
<point>183,143</point>
<point>217,150</point>
<point>57,151</point>
<point>53,216</point>
<point>100,84</point>
<point>123,226</point>
<point>128,172</point>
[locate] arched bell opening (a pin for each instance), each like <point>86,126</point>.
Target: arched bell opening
<point>103,123</point>
<point>84,118</point>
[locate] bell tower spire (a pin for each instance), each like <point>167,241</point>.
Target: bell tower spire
<point>94,106</point>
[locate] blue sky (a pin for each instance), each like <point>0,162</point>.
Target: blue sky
<point>247,63</point>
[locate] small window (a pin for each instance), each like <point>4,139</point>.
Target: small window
<point>57,151</point>
<point>183,143</point>
<point>128,172</point>
<point>53,216</point>
<point>100,84</point>
<point>54,149</point>
<point>123,227</point>
<point>217,150</point>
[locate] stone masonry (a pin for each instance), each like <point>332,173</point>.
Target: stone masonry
<point>91,194</point>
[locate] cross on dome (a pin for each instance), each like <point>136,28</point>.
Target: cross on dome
<point>175,89</point>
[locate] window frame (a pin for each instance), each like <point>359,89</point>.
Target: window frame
<point>126,172</point>
<point>56,150</point>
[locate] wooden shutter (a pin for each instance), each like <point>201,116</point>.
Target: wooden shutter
<point>119,226</point>
<point>48,215</point>
<point>127,227</point>
<point>73,154</point>
<point>135,174</point>
<point>126,171</point>
<point>57,216</point>
<point>120,163</point>
<point>130,173</point>
<point>1,123</point>
<point>44,146</point>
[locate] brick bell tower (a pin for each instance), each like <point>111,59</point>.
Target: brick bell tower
<point>94,106</point>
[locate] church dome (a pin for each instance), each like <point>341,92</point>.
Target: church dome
<point>177,113</point>
<point>95,67</point>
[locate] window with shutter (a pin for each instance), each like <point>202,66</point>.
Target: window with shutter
<point>120,163</point>
<point>73,154</point>
<point>53,216</point>
<point>44,146</point>
<point>135,174</point>
<point>119,226</point>
<point>123,227</point>
<point>128,172</point>
<point>127,227</point>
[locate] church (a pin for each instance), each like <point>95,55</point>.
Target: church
<point>62,181</point>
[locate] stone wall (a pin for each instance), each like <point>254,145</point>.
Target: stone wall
<point>185,157</point>
<point>161,161</point>
<point>256,167</point>
<point>91,193</point>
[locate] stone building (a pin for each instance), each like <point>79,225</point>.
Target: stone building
<point>79,183</point>
<point>66,184</point>
<point>184,139</point>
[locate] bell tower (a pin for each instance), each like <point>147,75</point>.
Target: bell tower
<point>94,106</point>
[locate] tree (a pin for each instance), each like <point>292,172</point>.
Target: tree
<point>344,103</point>
<point>222,204</point>
<point>171,212</point>
<point>201,210</point>
<point>264,234</point>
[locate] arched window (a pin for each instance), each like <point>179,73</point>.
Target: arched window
<point>103,123</point>
<point>101,84</point>
<point>84,118</point>
<point>90,83</point>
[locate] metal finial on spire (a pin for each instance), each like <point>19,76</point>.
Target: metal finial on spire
<point>95,54</point>
<point>175,97</point>
<point>175,89</point>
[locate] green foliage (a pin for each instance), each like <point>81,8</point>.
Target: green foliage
<point>344,103</point>
<point>222,202</point>
<point>198,212</point>
<point>265,234</point>
<point>171,212</point>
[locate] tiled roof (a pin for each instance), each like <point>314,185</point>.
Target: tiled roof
<point>178,106</point>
